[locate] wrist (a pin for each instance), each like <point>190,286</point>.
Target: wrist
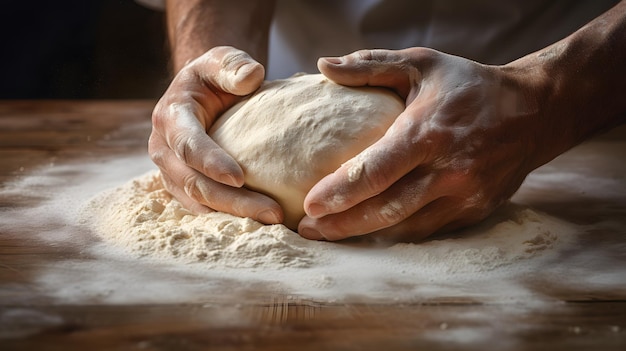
<point>576,85</point>
<point>528,95</point>
<point>196,26</point>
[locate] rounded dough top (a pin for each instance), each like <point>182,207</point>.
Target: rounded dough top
<point>292,132</point>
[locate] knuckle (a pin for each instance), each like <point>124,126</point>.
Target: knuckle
<point>391,213</point>
<point>234,59</point>
<point>190,185</point>
<point>201,191</point>
<point>182,146</point>
<point>158,150</point>
<point>478,206</point>
<point>158,115</point>
<point>365,55</point>
<point>375,180</point>
<point>186,77</point>
<point>377,55</point>
<point>154,151</point>
<point>152,142</point>
<point>421,55</point>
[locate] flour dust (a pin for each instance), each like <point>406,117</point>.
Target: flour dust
<point>143,222</point>
<point>138,245</point>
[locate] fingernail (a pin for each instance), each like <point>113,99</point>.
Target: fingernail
<point>316,210</point>
<point>268,217</point>
<point>310,233</point>
<point>334,60</point>
<point>228,179</point>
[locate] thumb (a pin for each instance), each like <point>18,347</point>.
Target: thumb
<point>230,70</point>
<point>384,68</point>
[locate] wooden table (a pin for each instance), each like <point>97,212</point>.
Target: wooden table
<point>40,134</point>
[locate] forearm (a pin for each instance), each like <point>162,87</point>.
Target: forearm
<point>195,26</point>
<point>579,83</point>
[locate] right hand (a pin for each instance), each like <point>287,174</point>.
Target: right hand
<point>196,171</point>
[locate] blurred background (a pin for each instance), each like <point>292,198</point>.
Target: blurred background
<point>82,49</point>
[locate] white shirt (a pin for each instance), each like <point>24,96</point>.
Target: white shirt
<point>488,31</point>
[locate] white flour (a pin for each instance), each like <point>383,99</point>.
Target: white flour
<point>507,258</point>
<point>143,219</point>
<point>519,257</point>
<point>518,262</point>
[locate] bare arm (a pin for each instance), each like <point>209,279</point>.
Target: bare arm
<point>212,73</point>
<point>470,132</point>
<point>195,26</point>
<point>579,83</point>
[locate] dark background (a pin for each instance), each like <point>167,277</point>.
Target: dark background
<point>82,49</point>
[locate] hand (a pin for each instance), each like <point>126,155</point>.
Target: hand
<point>460,149</point>
<point>201,175</point>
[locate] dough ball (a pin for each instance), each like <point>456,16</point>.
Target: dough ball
<point>292,132</point>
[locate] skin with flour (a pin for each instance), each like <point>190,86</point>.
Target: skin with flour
<point>293,132</point>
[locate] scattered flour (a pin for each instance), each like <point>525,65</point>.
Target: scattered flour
<point>143,218</point>
<point>517,257</point>
<point>510,235</point>
<point>287,136</point>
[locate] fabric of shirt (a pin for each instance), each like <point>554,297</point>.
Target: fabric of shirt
<point>487,31</point>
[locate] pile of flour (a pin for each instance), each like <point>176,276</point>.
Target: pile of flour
<point>143,219</point>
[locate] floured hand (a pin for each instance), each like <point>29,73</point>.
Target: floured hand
<point>459,150</point>
<point>201,175</point>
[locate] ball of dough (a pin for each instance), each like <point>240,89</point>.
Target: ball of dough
<point>292,132</point>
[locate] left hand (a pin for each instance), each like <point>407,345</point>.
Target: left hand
<point>462,147</point>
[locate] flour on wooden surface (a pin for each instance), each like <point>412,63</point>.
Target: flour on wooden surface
<point>142,218</point>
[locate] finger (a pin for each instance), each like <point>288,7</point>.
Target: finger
<point>157,155</point>
<point>214,82</point>
<point>399,202</point>
<point>436,217</point>
<point>192,187</point>
<point>187,202</point>
<point>385,68</point>
<point>431,218</point>
<point>373,170</point>
<point>187,138</point>
<point>230,70</point>
<point>197,96</point>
